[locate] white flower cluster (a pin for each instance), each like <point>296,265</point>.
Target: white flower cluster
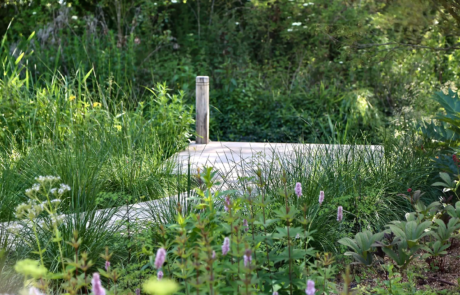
<point>56,219</point>
<point>30,210</point>
<point>309,3</point>
<point>64,188</point>
<point>47,178</point>
<point>44,204</point>
<point>35,188</point>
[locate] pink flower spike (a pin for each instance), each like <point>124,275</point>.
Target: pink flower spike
<point>339,213</point>
<point>160,258</point>
<point>321,197</point>
<point>213,254</point>
<point>160,275</point>
<point>107,265</point>
<point>226,246</point>
<point>310,288</point>
<point>298,189</point>
<point>227,203</point>
<point>245,224</point>
<point>275,293</point>
<point>96,285</point>
<point>138,291</point>
<point>247,258</point>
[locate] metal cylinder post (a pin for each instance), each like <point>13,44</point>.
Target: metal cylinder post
<point>202,109</point>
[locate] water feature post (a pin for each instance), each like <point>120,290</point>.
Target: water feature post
<point>202,109</point>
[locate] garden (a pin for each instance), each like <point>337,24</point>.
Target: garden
<point>97,100</point>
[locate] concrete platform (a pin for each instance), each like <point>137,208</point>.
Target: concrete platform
<point>228,156</point>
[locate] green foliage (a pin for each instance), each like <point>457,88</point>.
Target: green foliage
<point>454,211</point>
<point>280,71</point>
<point>403,239</point>
<point>362,245</point>
<point>447,131</point>
<point>396,286</point>
<point>62,125</point>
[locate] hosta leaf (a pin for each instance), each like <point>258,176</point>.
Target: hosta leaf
<point>421,229</point>
<point>397,231</point>
<point>440,184</point>
<point>350,243</point>
<point>446,178</point>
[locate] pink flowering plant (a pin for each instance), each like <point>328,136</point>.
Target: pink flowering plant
<point>245,242</point>
<point>239,242</point>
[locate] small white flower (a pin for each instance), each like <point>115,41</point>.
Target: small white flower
<point>74,17</point>
<point>446,190</point>
<point>53,191</point>
<point>64,188</point>
<point>42,179</point>
<point>237,23</point>
<point>34,13</point>
<point>56,219</point>
<point>289,30</point>
<point>36,187</point>
<point>340,62</point>
<point>297,24</point>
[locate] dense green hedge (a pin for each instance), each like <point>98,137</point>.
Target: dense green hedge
<point>280,70</point>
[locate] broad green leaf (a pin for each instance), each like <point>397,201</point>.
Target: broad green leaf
<point>446,178</point>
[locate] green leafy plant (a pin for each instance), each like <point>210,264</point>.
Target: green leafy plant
<point>447,133</point>
<point>363,245</point>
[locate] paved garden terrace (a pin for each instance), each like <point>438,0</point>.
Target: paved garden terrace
<point>227,156</point>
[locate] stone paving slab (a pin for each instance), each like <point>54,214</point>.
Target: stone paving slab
<point>226,156</point>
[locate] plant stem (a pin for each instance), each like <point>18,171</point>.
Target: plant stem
<point>262,187</point>
<point>60,248</point>
<point>288,236</point>
<point>38,243</point>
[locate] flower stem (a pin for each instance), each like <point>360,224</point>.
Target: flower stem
<point>38,243</point>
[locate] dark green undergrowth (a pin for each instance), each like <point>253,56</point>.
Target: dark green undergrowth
<point>280,71</point>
